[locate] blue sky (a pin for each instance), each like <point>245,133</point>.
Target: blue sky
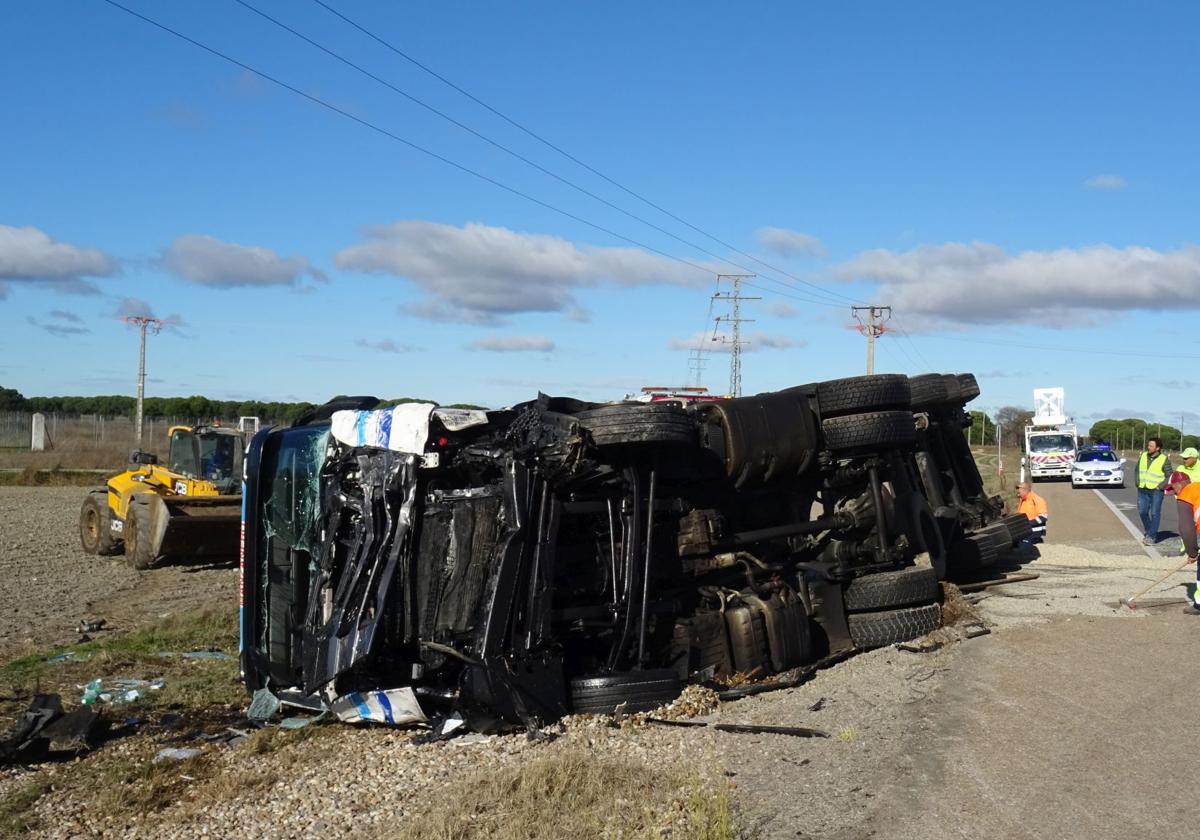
<point>1018,182</point>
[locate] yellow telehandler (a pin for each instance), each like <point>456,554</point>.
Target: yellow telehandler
<point>191,507</point>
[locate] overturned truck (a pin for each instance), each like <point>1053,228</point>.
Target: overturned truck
<point>513,566</point>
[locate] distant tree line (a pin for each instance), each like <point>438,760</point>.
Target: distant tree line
<point>195,407</point>
<point>1130,433</point>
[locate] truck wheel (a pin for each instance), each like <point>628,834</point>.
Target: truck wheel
<point>974,554</point>
<point>953,389</point>
<point>640,691</point>
<point>638,423</point>
<point>863,393</point>
<point>928,391</point>
<point>968,386</point>
<point>888,590</point>
<point>1019,526</point>
<point>877,629</point>
<point>95,524</point>
<point>875,429</point>
<point>138,544</point>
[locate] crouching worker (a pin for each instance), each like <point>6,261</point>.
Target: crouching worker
<point>1034,507</point>
<point>1187,502</point>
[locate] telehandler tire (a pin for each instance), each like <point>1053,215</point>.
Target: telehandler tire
<point>139,547</point>
<point>95,525</point>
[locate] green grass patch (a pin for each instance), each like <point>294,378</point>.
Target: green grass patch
<point>30,477</point>
<point>190,683</point>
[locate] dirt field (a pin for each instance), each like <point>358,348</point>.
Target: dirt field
<point>47,583</point>
<point>1022,733</point>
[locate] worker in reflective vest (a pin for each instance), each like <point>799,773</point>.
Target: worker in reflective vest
<point>1153,468</point>
<point>1034,507</point>
<point>1191,464</point>
<point>1187,502</point>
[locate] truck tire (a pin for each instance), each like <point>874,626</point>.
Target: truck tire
<point>974,554</point>
<point>928,391</point>
<point>877,629</point>
<point>614,425</point>
<point>95,524</point>
<point>953,389</point>
<point>1019,526</point>
<point>1000,536</point>
<point>870,430</point>
<point>863,393</point>
<point>889,590</point>
<point>139,549</point>
<point>968,387</point>
<point>640,691</point>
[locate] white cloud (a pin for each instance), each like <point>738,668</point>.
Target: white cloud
<point>73,327</point>
<point>132,307</point>
<point>779,309</point>
<point>1105,182</point>
<point>385,346</point>
<point>28,255</point>
<point>979,283</point>
<point>723,343</point>
<point>514,344</point>
<point>479,273</point>
<point>208,261</point>
<point>790,243</point>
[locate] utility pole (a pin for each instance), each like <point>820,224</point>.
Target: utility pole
<point>735,320</point>
<point>872,329</point>
<point>154,325</point>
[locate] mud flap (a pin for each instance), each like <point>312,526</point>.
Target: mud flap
<point>829,610</point>
<point>526,692</point>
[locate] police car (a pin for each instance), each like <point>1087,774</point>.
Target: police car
<point>1098,465</point>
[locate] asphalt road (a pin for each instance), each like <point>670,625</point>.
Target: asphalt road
<point>1075,729</point>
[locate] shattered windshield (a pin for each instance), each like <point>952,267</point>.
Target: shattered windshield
<point>1051,443</point>
<point>292,499</point>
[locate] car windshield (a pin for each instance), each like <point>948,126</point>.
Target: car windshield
<point>1096,455</point>
<point>1051,443</point>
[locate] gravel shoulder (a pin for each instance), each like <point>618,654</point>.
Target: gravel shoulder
<point>970,740</point>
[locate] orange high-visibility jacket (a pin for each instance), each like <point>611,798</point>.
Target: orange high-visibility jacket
<point>1033,506</point>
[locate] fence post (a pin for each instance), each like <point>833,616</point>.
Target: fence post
<point>37,441</point>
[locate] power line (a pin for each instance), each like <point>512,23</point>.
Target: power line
<point>912,344</point>
<point>410,144</point>
<point>435,155</point>
<point>531,133</point>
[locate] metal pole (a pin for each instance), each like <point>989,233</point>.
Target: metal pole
<point>141,385</point>
<point>871,341</point>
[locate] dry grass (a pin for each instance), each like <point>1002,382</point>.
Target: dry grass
<point>575,792</point>
<point>956,609</point>
<point>69,456</point>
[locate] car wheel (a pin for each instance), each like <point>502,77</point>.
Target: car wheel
<point>877,629</point>
<point>889,590</point>
<point>637,423</point>
<point>876,429</point>
<point>638,691</point>
<point>857,394</point>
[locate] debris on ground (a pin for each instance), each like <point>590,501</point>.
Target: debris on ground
<point>118,691</point>
<point>194,654</point>
<point>93,626</point>
<point>175,754</point>
<point>27,741</point>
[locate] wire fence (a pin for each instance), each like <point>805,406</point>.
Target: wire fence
<point>89,431</point>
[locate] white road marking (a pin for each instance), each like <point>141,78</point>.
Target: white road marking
<point>1137,534</point>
